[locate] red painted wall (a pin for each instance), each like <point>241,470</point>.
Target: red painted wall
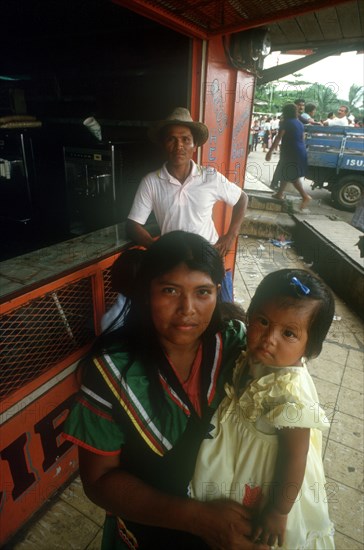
<point>228,107</point>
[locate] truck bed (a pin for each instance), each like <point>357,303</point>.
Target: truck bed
<point>339,147</point>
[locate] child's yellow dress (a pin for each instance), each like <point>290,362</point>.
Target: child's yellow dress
<point>237,458</point>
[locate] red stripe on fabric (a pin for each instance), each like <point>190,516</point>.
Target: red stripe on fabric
<point>84,445</point>
<point>142,426</point>
<point>124,398</point>
<point>174,398</point>
<point>83,401</point>
<point>114,382</point>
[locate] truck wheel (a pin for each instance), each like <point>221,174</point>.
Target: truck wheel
<point>347,191</point>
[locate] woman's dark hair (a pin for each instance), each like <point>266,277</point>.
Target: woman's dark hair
<point>298,285</point>
<point>289,111</point>
<point>125,269</point>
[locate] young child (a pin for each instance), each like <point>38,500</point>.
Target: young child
<point>264,444</point>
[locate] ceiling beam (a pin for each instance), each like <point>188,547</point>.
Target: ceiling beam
<point>279,71</point>
<point>346,45</point>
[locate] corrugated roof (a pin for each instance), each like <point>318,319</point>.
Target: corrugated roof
<point>293,24</point>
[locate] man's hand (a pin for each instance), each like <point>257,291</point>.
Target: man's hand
<point>138,234</point>
<point>224,244</point>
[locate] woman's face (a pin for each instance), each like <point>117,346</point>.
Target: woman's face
<point>182,303</point>
<point>277,335</point>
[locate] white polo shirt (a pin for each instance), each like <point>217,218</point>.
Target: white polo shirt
<point>187,207</point>
<point>343,121</point>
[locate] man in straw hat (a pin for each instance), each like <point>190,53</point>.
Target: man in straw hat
<point>182,194</point>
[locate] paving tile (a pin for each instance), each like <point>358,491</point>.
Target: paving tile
<point>60,528</point>
<point>353,340</point>
<point>353,379</point>
<point>347,430</point>
<point>344,465</point>
<point>346,509</point>
<point>334,352</point>
<point>356,360</point>
<point>96,543</point>
<point>75,496</point>
<point>326,369</point>
<point>328,394</point>
<point>345,543</point>
<point>342,333</point>
<point>351,402</point>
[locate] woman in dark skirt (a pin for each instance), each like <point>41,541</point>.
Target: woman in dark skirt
<point>292,164</point>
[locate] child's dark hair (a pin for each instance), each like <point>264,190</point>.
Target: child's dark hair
<point>298,284</point>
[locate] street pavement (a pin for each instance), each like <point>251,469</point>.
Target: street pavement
<point>258,168</point>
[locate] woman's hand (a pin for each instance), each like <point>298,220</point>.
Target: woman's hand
<point>272,527</point>
<point>225,524</point>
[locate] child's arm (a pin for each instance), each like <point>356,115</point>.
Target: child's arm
<point>289,473</point>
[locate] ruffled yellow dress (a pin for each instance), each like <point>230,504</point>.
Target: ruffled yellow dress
<point>237,458</point>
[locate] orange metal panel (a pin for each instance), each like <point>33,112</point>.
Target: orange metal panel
<point>228,108</point>
<point>35,461</point>
<point>63,280</point>
<point>196,79</point>
<point>44,333</point>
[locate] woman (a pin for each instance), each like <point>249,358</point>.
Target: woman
<point>292,165</point>
<point>267,127</point>
<point>146,402</point>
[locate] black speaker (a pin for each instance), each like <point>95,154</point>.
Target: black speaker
<point>247,49</point>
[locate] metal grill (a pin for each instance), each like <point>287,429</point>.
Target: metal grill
<point>44,331</point>
<point>109,294</point>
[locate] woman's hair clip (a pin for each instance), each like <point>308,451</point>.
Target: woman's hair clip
<point>301,289</point>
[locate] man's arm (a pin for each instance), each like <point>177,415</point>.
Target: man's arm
<point>225,242</point>
<point>138,234</point>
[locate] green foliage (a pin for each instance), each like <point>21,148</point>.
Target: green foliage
<point>279,92</point>
<point>356,100</point>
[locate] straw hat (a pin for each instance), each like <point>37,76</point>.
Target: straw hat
<point>181,117</point>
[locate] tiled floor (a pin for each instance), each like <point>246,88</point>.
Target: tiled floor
<point>72,522</point>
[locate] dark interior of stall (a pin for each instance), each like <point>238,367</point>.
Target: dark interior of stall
<point>62,63</point>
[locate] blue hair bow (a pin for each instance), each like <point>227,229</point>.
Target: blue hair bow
<point>300,288</point>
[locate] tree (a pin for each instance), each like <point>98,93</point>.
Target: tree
<point>356,99</point>
<point>356,96</point>
<point>282,91</point>
<point>323,97</point>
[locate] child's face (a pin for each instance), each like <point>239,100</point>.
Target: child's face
<point>277,334</point>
